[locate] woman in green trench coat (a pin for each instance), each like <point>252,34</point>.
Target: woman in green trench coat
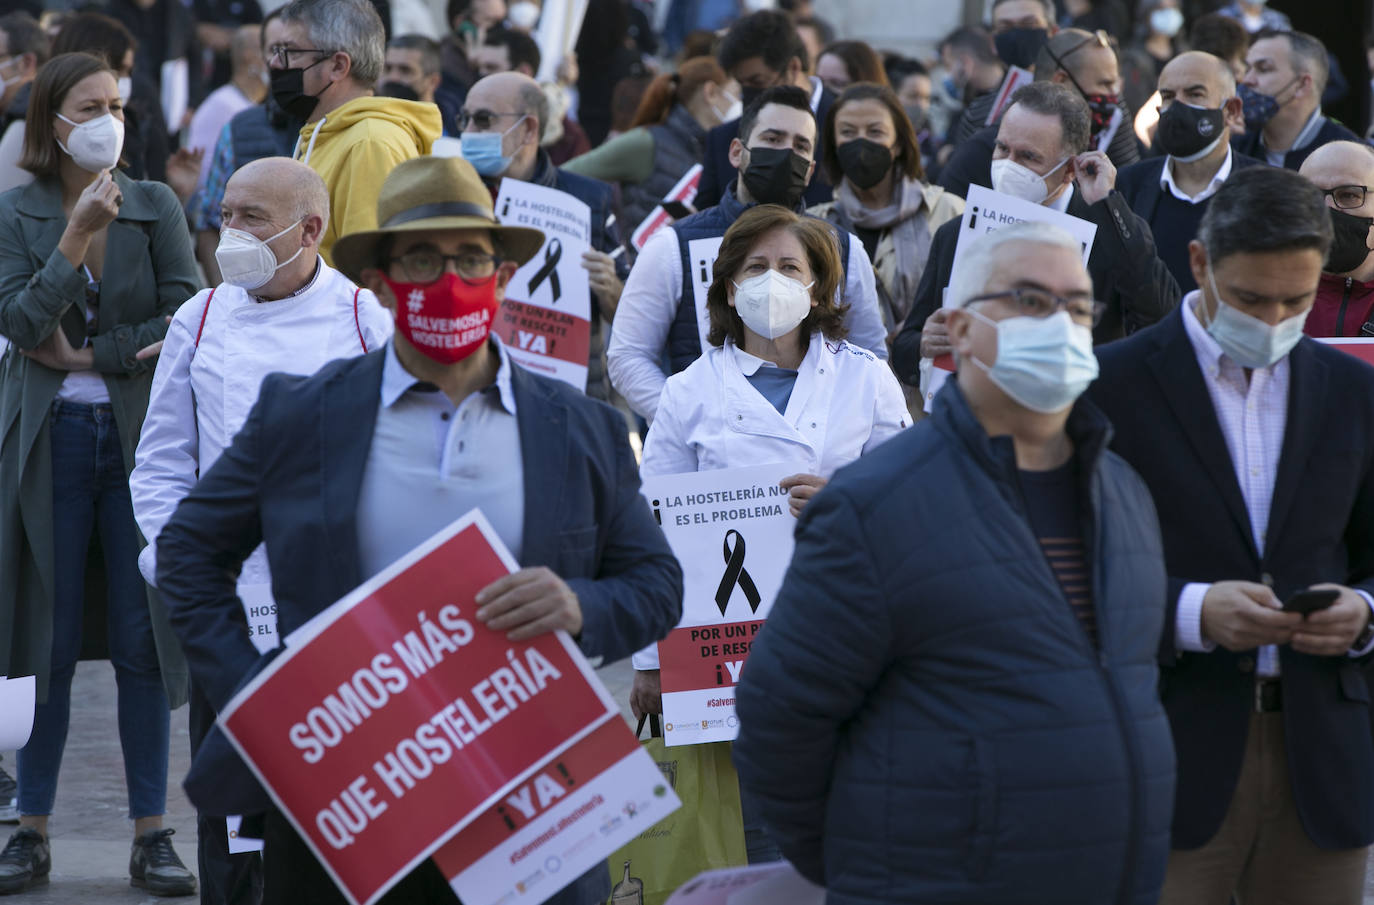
<point>91,264</point>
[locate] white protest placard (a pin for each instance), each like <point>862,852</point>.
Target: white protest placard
<point>545,320</point>
<point>986,211</point>
<point>685,192</point>
<point>701,256</point>
<point>777,883</point>
<point>17,697</point>
<point>731,531</point>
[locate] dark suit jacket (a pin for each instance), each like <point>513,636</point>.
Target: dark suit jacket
<point>717,173</point>
<point>1321,528</point>
<point>1139,185</point>
<point>1249,143</point>
<point>1126,274</point>
<point>291,479</point>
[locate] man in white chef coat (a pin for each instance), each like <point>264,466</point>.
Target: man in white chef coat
<point>280,308</point>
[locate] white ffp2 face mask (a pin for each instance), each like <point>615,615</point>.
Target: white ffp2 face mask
<point>1247,340</point>
<point>248,262</point>
<point>772,304</point>
<point>1043,363</point>
<point>96,144</point>
<point>1018,181</point>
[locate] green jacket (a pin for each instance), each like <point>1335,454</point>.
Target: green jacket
<point>149,271</point>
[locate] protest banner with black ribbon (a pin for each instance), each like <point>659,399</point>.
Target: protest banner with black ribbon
<point>545,320</point>
<point>732,532</point>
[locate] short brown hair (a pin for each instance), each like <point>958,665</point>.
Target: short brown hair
<point>817,238</point>
<point>57,77</point>
<point>907,153</point>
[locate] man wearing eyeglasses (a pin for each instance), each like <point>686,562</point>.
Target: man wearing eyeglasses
<point>341,474</point>
<point>1255,443</point>
<point>502,121</point>
<point>1344,171</point>
<point>323,71</point>
<point>976,720</point>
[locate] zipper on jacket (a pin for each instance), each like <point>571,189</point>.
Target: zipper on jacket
<point>1345,300</point>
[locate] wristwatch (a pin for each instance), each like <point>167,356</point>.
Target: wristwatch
<point>1363,638</point>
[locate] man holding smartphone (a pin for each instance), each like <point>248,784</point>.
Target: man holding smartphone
<point>1258,446</point>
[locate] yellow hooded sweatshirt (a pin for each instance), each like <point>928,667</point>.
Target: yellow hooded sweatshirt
<point>354,147</point>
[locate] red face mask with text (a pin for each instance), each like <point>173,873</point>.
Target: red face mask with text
<point>446,320</point>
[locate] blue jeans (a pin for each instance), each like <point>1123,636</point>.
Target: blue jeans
<point>90,491</point>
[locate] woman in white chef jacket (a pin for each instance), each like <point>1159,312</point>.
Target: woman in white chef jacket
<point>780,385</point>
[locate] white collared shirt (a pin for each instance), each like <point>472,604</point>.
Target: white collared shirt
<point>1166,180</point>
<point>1061,203</point>
<point>1253,416</point>
<point>817,89</point>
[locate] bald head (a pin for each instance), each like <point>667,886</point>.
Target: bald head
<point>1342,163</point>
<point>286,189</point>
<point>510,91</point>
<point>1193,73</point>
<point>245,48</point>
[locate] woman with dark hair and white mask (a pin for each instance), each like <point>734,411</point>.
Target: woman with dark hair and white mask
<point>780,385</point>
<point>92,266</point>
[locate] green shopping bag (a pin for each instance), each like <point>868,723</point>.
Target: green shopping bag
<point>706,833</point>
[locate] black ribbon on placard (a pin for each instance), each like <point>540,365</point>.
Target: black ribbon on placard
<point>736,574</point>
<point>552,254</point>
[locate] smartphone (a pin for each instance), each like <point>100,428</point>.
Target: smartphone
<point>1311,600</point>
<point>677,210</point>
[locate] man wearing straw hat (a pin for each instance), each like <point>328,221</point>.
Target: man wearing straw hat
<point>343,473</point>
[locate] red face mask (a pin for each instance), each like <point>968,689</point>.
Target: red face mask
<point>446,320</point>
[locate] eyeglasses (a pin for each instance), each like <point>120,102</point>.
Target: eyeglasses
<point>1347,197</point>
<point>1039,303</point>
<point>283,53</point>
<point>425,266</point>
<point>483,120</point>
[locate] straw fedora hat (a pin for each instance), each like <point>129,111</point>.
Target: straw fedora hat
<point>424,194</point>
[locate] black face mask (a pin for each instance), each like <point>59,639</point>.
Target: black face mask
<point>288,90</point>
<point>748,93</point>
<point>399,90</point>
<point>864,162</point>
<point>1188,133</point>
<point>1020,46</point>
<point>1350,246</point>
<point>776,176</point>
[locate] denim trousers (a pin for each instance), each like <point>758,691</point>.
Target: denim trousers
<point>90,491</point>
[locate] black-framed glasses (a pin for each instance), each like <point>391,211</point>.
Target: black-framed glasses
<point>425,266</point>
<point>283,53</point>
<point>1039,303</point>
<point>1347,197</point>
<point>483,120</point>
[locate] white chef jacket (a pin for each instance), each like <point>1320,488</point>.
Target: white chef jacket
<point>202,394</point>
<point>845,402</point>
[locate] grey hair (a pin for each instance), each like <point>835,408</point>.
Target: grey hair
<point>1051,99</point>
<point>534,102</point>
<point>1265,209</point>
<point>350,26</point>
<point>1306,54</point>
<point>970,278</point>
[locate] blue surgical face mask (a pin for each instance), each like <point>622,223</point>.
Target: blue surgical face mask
<point>1043,363</point>
<point>1249,341</point>
<point>484,150</point>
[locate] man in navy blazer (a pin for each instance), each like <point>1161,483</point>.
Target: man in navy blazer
<point>342,473</point>
<point>1258,447</point>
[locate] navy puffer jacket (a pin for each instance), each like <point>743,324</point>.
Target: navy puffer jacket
<point>922,718</point>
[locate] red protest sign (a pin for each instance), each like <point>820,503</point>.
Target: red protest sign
<point>395,718</point>
<point>705,656</point>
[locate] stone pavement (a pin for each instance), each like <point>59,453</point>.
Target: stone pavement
<point>90,831</point>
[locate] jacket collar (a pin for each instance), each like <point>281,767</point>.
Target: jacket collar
<point>43,198</point>
<point>1087,427</point>
<point>545,173</point>
<point>683,124</point>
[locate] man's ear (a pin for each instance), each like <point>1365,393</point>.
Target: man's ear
<point>795,71</point>
<point>372,279</point>
<point>433,81</point>
<point>312,230</point>
<point>1233,115</point>
<point>959,323</point>
<point>504,273</point>
<point>736,153</point>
